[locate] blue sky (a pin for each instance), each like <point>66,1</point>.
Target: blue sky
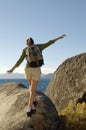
<point>42,20</point>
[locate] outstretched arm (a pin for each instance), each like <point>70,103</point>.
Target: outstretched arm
<point>60,37</point>
<point>18,62</point>
<point>11,70</point>
<point>45,45</point>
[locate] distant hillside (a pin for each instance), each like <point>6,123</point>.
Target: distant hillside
<point>12,76</point>
<point>21,76</point>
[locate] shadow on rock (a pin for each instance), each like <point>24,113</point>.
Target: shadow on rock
<point>46,116</point>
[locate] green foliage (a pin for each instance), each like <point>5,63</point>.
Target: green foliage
<point>73,117</point>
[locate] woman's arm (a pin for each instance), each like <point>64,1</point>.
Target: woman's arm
<point>11,70</point>
<point>58,38</point>
<point>18,62</point>
<point>45,45</point>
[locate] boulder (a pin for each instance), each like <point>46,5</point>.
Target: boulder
<point>68,84</point>
<point>13,106</point>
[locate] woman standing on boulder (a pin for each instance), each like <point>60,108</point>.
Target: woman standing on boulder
<point>32,73</point>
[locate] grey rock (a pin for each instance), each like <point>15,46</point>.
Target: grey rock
<point>13,106</point>
<point>68,83</point>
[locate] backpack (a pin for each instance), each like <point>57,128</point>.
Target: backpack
<point>34,56</point>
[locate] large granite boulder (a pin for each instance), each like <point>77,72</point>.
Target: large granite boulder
<point>13,105</point>
<point>68,84</point>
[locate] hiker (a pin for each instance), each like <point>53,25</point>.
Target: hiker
<point>32,73</point>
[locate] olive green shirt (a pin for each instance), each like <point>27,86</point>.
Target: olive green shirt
<point>23,55</point>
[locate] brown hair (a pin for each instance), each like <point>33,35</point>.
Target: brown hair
<point>31,41</point>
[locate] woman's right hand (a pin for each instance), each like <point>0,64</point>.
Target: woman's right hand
<point>10,71</point>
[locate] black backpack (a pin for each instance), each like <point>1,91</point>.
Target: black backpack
<point>34,56</point>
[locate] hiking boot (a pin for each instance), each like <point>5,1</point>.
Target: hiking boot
<point>29,114</point>
<point>33,110</point>
<point>35,103</point>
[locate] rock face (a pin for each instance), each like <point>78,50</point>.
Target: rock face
<point>68,83</point>
<point>13,106</point>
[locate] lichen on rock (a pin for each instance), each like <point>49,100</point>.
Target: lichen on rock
<point>73,117</point>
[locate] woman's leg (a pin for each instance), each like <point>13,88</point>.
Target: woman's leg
<point>32,92</point>
<point>29,82</point>
<point>33,76</point>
